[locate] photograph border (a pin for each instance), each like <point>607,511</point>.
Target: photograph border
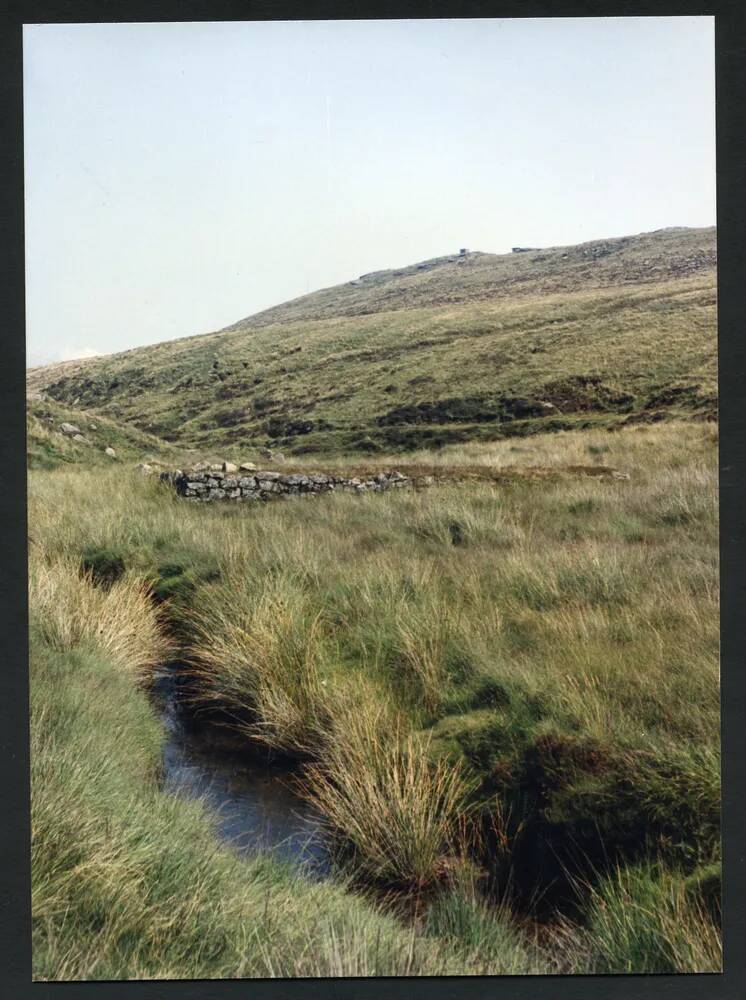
<point>15,936</point>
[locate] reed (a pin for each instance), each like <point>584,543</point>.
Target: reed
<point>120,622</point>
<point>380,789</point>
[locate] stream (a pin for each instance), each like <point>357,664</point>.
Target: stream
<point>252,802</point>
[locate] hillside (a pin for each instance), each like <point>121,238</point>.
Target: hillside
<point>48,446</point>
<point>456,348</point>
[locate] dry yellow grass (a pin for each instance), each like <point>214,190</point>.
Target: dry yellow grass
<point>258,655</point>
<point>378,786</point>
<point>121,622</point>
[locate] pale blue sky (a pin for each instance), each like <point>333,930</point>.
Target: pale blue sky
<point>182,176</point>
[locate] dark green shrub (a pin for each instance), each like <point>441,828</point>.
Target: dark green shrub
<point>105,565</point>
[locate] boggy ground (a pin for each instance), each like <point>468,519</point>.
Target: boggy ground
<point>502,695</point>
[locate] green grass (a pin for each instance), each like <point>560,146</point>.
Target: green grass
<point>643,920</point>
<point>130,883</point>
<point>501,692</point>
<point>532,664</point>
<point>466,922</point>
<point>383,366</point>
<point>49,448</point>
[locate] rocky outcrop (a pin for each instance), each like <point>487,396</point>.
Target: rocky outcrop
<point>216,484</point>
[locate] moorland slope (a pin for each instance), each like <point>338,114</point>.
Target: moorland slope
<point>458,348</point>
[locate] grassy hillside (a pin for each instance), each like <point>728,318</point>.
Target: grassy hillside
<point>501,691</point>
<point>48,446</point>
<point>449,350</point>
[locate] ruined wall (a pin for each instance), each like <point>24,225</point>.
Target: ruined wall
<point>244,484</point>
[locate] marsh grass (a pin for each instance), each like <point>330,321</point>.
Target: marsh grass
<point>69,610</point>
<point>464,919</point>
<point>129,882</point>
<point>554,659</point>
<point>379,787</point>
<point>642,920</point>
<point>259,655</point>
<point>420,652</point>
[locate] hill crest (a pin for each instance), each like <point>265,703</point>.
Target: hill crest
<point>452,349</point>
<point>475,275</point>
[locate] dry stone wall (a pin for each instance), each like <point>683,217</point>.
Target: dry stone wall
<point>218,484</point>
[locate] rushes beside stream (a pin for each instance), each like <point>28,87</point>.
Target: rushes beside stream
<point>541,656</point>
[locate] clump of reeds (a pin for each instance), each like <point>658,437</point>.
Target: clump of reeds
<point>258,654</point>
<point>69,610</point>
<point>378,787</point>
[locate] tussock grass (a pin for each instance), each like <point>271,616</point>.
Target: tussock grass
<point>381,790</point>
<point>554,643</point>
<point>258,652</point>
<point>642,920</point>
<point>121,623</point>
<point>420,652</point>
<point>129,882</point>
<point>467,922</point>
<point>678,446</point>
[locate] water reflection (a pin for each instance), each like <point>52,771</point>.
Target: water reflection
<point>254,805</point>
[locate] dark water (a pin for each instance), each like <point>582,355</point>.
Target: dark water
<point>253,803</point>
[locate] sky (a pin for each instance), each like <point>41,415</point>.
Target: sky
<point>182,176</point>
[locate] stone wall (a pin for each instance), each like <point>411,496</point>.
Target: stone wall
<point>245,484</point>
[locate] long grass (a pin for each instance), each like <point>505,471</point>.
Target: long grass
<point>550,647</point>
<point>398,808</point>
<point>121,622</point>
<point>129,882</point>
<point>259,655</point>
<point>642,920</point>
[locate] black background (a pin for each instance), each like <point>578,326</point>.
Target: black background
<point>15,935</point>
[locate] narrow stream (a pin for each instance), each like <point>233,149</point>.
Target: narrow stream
<point>251,799</point>
<point>253,804</point>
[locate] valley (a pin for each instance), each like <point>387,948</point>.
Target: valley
<point>490,695</point>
